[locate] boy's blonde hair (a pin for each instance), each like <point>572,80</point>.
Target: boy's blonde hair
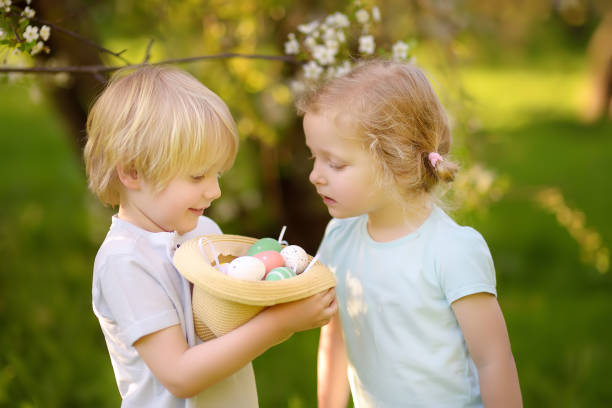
<point>398,117</point>
<point>160,122</point>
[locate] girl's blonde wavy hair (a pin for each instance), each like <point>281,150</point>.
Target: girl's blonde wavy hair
<point>398,118</point>
<point>160,122</point>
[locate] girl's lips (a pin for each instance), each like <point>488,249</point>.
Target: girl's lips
<point>328,200</point>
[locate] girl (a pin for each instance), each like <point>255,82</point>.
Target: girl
<point>157,140</point>
<point>418,323</point>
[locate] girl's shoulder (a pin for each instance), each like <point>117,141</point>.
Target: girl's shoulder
<point>452,244</point>
<point>449,233</point>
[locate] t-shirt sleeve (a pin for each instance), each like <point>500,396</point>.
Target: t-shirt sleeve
<point>135,298</point>
<point>465,265</point>
<point>207,226</point>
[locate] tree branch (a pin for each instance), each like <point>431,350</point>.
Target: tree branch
<point>96,69</point>
<point>83,39</point>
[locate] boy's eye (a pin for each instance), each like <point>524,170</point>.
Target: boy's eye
<point>203,176</point>
<point>198,177</point>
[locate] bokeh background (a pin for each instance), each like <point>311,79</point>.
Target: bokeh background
<point>526,83</point>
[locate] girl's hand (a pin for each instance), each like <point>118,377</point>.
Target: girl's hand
<point>304,314</point>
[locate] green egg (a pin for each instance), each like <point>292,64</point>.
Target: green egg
<point>280,273</point>
<point>264,244</point>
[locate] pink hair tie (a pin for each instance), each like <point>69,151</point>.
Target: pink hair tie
<point>434,158</point>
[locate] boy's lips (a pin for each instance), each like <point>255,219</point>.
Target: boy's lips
<point>198,210</point>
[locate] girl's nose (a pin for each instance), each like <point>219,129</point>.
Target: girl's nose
<point>315,176</point>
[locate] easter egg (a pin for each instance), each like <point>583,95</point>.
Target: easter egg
<point>271,259</point>
<point>247,267</point>
<point>280,273</point>
<point>264,244</point>
<point>295,258</point>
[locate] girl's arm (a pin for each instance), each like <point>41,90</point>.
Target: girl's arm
<point>186,371</point>
<point>332,384</point>
<point>484,329</point>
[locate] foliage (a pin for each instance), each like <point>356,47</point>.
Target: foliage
<point>515,127</point>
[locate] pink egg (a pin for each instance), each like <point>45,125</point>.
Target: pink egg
<point>271,259</point>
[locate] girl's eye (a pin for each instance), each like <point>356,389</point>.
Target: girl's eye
<point>336,166</point>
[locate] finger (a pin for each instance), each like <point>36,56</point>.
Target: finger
<point>330,295</point>
<point>333,301</point>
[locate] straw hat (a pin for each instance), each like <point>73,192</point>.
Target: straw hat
<point>221,303</point>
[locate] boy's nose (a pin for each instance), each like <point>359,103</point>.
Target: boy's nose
<point>212,190</point>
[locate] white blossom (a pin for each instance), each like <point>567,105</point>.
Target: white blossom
<point>28,12</point>
<point>312,70</point>
<point>292,47</point>
<point>1,34</point>
<point>324,55</point>
<point>375,13</point>
<point>362,16</point>
<point>45,32</point>
<point>400,50</point>
<point>333,46</point>
<point>340,36</point>
<point>28,1</point>
<point>37,48</point>
<point>343,69</point>
<point>31,33</point>
<point>366,44</point>
<point>308,28</point>
<point>338,20</point>
<point>329,34</point>
<point>310,43</point>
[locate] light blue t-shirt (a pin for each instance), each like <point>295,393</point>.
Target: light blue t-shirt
<point>137,291</point>
<point>403,342</point>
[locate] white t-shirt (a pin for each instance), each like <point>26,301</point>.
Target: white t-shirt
<point>403,342</point>
<point>137,291</point>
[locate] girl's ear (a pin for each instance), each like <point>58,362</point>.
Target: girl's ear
<point>129,178</point>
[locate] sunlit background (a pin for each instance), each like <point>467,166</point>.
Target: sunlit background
<point>527,85</point>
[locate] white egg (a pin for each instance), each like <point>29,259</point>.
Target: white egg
<point>295,258</point>
<point>246,267</point>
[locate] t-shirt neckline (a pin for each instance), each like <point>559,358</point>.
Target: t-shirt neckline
<point>401,240</point>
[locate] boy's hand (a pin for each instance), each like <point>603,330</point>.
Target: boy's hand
<point>309,313</point>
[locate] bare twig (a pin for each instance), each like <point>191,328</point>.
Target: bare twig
<point>83,39</point>
<point>148,52</point>
<point>96,69</point>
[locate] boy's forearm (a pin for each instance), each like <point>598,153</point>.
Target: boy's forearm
<point>208,363</point>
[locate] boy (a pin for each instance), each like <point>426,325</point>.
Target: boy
<point>157,141</point>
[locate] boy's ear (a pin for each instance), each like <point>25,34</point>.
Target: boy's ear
<point>129,177</point>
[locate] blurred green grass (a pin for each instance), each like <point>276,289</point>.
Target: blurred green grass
<point>556,307</point>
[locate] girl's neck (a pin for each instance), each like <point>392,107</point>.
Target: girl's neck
<point>398,219</point>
